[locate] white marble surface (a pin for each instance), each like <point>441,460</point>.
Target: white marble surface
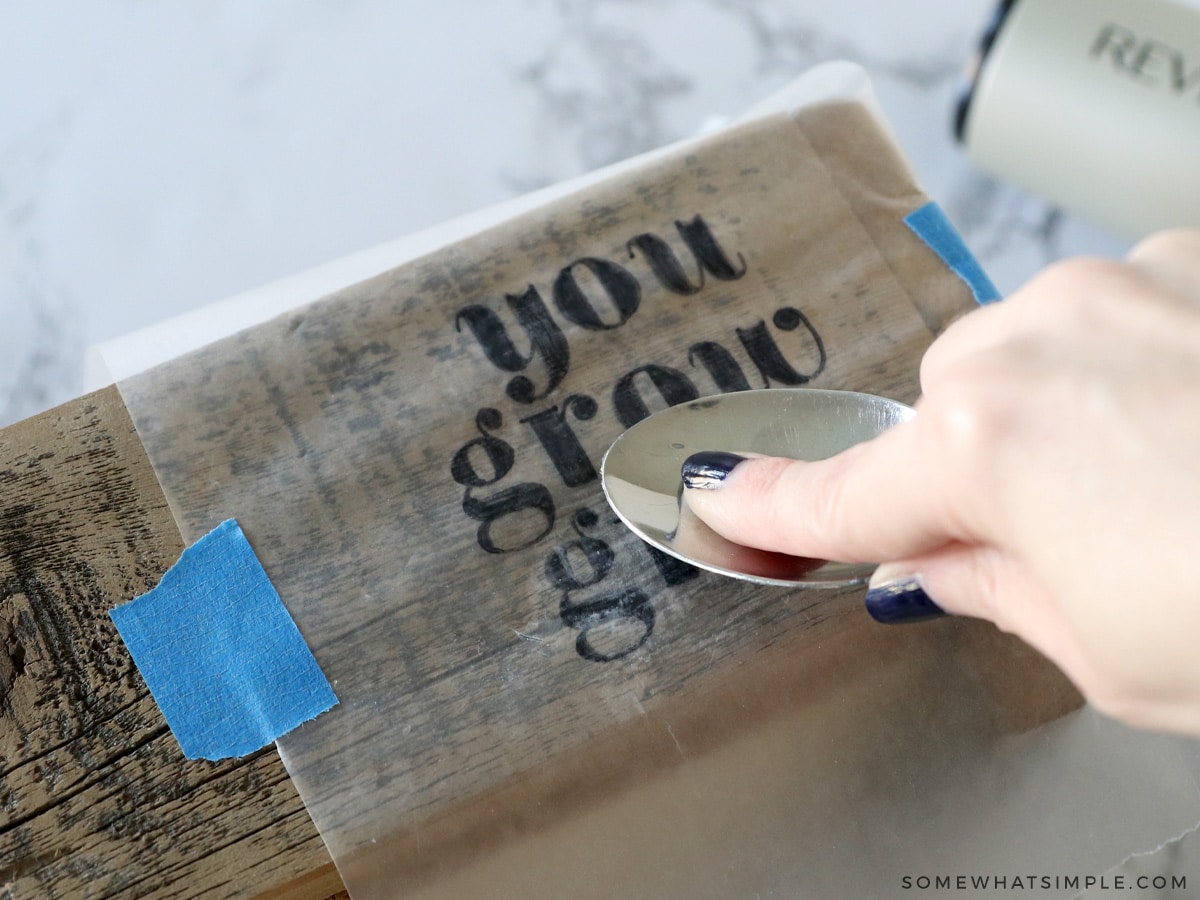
<point>157,157</point>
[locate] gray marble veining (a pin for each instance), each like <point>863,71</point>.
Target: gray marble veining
<point>154,159</point>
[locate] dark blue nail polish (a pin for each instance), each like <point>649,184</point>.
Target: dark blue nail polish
<point>706,470</point>
<point>901,601</point>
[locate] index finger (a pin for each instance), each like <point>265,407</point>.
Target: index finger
<point>880,500</point>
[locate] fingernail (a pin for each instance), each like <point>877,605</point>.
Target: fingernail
<point>901,601</point>
<point>706,470</point>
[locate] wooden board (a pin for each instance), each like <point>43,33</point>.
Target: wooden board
<point>95,797</point>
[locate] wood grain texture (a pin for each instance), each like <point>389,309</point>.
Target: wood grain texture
<point>378,449</point>
<point>415,461</point>
<point>352,438</point>
<point>96,799</point>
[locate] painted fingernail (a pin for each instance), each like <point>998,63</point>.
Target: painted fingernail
<point>706,470</point>
<point>901,601</point>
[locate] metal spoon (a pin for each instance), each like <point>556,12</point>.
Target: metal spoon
<point>641,479</point>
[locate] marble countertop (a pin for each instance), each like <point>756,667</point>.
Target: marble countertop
<point>156,158</point>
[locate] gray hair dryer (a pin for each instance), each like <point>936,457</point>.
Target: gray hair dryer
<point>1093,105</point>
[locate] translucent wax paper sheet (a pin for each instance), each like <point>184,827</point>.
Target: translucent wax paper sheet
<point>535,704</point>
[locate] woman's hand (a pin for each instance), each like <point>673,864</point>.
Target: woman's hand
<point>1050,482</point>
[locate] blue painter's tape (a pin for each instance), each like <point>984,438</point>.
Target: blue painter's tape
<point>220,653</point>
<point>930,224</point>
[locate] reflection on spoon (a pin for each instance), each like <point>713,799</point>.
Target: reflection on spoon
<point>641,471</point>
<point>693,539</point>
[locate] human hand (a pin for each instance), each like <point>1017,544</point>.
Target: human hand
<point>1050,482</point>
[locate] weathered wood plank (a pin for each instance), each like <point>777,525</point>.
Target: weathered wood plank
<point>96,798</point>
<point>415,461</point>
<point>502,728</point>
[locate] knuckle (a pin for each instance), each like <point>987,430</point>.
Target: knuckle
<point>1172,244</point>
<point>1075,275</point>
<point>1170,264</point>
<point>1076,290</point>
<point>973,428</point>
<point>966,421</point>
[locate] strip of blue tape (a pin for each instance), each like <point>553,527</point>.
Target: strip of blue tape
<point>220,653</point>
<point>931,225</point>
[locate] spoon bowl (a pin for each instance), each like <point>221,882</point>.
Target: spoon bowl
<point>641,478</point>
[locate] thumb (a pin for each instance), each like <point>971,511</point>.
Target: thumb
<point>983,582</point>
